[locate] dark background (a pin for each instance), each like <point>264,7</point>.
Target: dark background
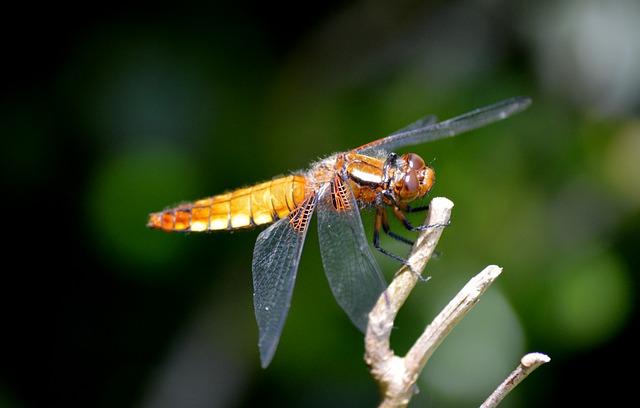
<point>112,111</point>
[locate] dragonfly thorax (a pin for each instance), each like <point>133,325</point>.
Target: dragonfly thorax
<point>409,177</point>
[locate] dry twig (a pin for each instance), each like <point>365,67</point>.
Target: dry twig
<point>527,365</point>
<point>397,375</point>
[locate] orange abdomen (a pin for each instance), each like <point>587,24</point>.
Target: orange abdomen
<point>243,208</point>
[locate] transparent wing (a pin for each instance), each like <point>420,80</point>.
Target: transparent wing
<point>354,275</point>
<point>451,127</point>
<point>275,263</point>
<point>420,123</point>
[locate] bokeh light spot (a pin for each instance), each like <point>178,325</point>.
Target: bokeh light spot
<point>591,300</point>
<point>622,166</point>
<point>477,355</point>
<point>126,189</point>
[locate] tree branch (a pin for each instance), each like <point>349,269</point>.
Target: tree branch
<point>449,317</point>
<point>397,375</point>
<point>527,365</point>
<point>384,312</point>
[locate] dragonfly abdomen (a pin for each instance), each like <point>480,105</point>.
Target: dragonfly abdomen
<point>261,204</point>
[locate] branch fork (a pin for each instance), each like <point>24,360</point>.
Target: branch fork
<point>397,375</point>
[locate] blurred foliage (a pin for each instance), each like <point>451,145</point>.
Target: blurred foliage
<point>120,197</point>
<point>108,118</point>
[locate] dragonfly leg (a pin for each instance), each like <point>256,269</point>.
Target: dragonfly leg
<point>403,218</point>
<point>376,243</point>
<point>417,209</point>
<point>376,239</point>
<point>387,229</point>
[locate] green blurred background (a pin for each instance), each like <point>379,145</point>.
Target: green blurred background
<point>111,112</point>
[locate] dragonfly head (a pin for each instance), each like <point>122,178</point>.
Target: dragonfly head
<point>412,179</point>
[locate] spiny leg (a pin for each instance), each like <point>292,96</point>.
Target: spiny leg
<point>436,254</point>
<point>376,237</point>
<point>387,229</point>
<point>381,212</point>
<point>379,222</point>
<point>417,209</point>
<point>400,215</point>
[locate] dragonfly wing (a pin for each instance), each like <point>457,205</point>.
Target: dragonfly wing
<point>420,123</point>
<point>275,263</point>
<point>451,127</point>
<point>354,275</point>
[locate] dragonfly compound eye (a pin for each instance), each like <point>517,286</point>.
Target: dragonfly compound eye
<point>407,188</point>
<point>414,161</point>
<point>416,178</point>
<point>410,185</point>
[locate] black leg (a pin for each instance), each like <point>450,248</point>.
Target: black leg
<point>400,215</point>
<point>417,209</point>
<point>399,237</point>
<point>376,245</point>
<point>387,229</point>
<point>381,221</point>
<point>388,196</point>
<point>376,237</point>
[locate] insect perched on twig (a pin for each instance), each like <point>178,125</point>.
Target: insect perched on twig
<point>337,186</point>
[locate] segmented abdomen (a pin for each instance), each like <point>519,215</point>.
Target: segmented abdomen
<point>243,208</point>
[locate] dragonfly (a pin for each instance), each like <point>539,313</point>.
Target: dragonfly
<point>336,188</point>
